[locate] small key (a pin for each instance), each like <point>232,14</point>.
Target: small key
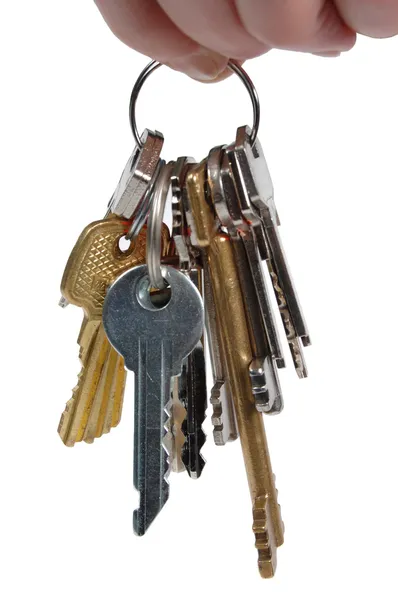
<point>137,176</point>
<point>154,342</point>
<point>268,527</point>
<point>257,200</point>
<point>94,264</point>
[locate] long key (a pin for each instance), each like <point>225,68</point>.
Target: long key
<point>267,526</point>
<point>94,264</point>
<point>265,381</point>
<point>223,418</point>
<point>246,234</point>
<point>257,198</point>
<point>154,342</point>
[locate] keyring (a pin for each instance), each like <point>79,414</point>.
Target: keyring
<point>154,232</point>
<point>234,67</point>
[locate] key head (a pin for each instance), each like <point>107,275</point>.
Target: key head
<point>130,317</point>
<point>137,175</point>
<point>97,260</point>
<point>249,164</point>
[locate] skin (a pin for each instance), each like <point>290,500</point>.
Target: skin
<point>198,37</point>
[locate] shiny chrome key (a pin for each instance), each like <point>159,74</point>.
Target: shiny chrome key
<point>138,175</point>
<point>263,372</point>
<point>153,341</point>
<point>256,196</point>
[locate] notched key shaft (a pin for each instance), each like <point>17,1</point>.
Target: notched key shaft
<point>153,341</point>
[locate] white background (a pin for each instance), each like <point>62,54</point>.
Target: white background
<point>329,131</point>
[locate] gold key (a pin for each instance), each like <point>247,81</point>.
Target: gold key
<point>95,262</point>
<point>217,250</point>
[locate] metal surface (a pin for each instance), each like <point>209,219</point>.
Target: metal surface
<point>245,234</point>
<point>95,262</point>
<point>256,196</point>
<point>223,417</point>
<point>231,319</point>
<point>267,522</point>
<point>154,342</point>
<point>155,220</point>
<point>144,206</point>
<point>234,67</point>
<point>180,226</point>
<point>203,226</point>
<point>137,175</point>
<point>193,395</point>
<point>176,438</point>
<point>265,381</point>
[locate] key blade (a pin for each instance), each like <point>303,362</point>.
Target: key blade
<point>151,465</point>
<point>193,394</point>
<point>223,418</point>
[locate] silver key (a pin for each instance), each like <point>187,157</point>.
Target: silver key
<point>263,372</point>
<point>137,176</point>
<point>153,342</point>
<point>245,233</point>
<point>257,200</point>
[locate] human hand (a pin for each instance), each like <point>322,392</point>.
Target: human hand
<point>199,36</point>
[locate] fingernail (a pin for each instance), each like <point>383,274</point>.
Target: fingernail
<point>327,54</point>
<point>203,65</point>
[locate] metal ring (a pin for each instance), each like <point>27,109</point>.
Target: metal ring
<point>234,67</point>
<point>155,220</point>
<point>144,205</point>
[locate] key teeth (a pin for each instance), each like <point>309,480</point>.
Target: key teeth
<point>168,440</point>
<point>264,535</point>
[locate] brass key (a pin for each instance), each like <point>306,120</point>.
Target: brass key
<point>95,262</point>
<point>218,251</point>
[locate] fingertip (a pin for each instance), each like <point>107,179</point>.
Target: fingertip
<point>203,65</point>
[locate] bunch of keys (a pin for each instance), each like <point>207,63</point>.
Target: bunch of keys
<point>147,308</point>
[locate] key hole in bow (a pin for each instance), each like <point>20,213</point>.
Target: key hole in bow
<point>124,244</point>
<point>152,298</point>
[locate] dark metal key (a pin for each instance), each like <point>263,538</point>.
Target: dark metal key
<point>154,338</point>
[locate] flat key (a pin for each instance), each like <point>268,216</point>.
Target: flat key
<point>257,198</point>
<point>223,418</point>
<point>95,262</point>
<point>265,381</point>
<point>154,342</point>
<point>245,233</point>
<point>267,523</point>
<point>138,176</point>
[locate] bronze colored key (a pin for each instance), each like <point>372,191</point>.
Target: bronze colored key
<point>267,523</point>
<point>95,262</point>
